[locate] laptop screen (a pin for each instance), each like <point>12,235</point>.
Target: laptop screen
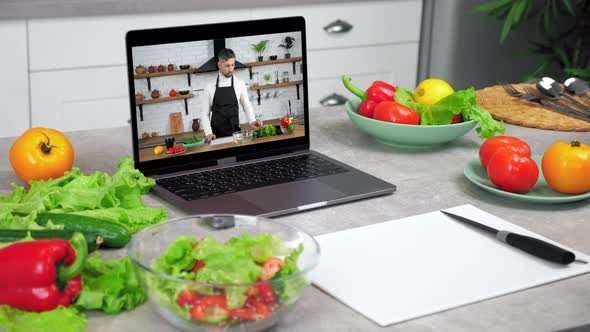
<point>213,91</point>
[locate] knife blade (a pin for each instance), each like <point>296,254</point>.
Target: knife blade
<point>530,245</point>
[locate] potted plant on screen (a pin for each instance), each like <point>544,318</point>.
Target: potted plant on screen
<point>289,43</point>
<point>260,48</point>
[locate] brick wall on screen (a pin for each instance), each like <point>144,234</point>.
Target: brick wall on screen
<point>273,104</point>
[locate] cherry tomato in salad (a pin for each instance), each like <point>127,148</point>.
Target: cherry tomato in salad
<point>512,171</point>
<point>496,143</point>
<point>203,307</point>
<point>186,297</point>
<point>262,310</point>
<point>246,312</point>
<point>198,266</point>
<point>391,111</point>
<point>271,267</point>
<point>267,294</point>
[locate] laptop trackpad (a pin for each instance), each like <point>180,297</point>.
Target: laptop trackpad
<point>291,195</point>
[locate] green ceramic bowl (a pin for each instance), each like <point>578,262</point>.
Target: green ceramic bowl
<point>406,136</point>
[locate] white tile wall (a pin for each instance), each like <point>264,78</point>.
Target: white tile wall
<point>274,102</point>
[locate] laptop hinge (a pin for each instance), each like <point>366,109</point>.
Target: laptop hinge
<point>226,161</point>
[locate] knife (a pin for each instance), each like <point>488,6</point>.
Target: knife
<point>531,245</point>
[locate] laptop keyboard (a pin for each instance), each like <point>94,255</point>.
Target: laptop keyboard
<point>250,176</point>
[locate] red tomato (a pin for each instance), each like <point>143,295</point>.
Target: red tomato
<point>271,267</point>
<point>198,265</point>
<point>285,121</point>
<point>457,118</point>
<point>186,297</point>
<point>267,294</point>
<point>513,172</point>
<point>253,309</point>
<point>206,303</point>
<point>246,312</point>
<point>367,108</point>
<point>391,111</point>
<point>492,145</point>
<point>262,310</point>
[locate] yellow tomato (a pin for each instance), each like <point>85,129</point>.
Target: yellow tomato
<point>41,154</point>
<point>158,150</point>
<point>566,167</point>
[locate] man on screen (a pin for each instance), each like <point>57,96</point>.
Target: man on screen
<point>222,98</point>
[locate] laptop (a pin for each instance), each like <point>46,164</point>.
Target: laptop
<point>259,162</point>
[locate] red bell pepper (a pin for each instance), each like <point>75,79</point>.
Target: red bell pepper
<point>39,275</point>
<point>378,91</point>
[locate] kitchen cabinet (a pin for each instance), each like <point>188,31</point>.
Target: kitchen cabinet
<point>78,77</point>
<point>67,76</point>
<point>75,43</point>
<point>378,39</point>
<point>78,99</point>
<point>14,85</point>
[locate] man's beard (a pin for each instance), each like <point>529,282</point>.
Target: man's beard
<point>228,75</point>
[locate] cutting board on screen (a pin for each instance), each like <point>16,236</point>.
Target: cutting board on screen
<point>176,123</point>
<point>403,269</point>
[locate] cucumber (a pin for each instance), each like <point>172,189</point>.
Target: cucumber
<point>12,235</point>
<point>114,234</point>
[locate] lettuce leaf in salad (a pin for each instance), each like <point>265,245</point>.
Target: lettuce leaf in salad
<point>60,319</point>
<point>178,259</point>
<point>460,102</point>
<point>234,262</point>
<point>261,247</point>
<point>288,288</point>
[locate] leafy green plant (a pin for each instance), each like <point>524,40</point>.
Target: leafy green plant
<point>267,78</point>
<point>260,47</point>
<point>289,43</point>
<point>562,31</point>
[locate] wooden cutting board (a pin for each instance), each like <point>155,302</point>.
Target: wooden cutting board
<point>176,123</point>
<point>527,114</point>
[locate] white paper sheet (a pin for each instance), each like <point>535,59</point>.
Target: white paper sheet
<point>407,268</point>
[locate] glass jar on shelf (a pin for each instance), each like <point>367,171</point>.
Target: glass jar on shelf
<point>285,76</point>
<point>255,79</point>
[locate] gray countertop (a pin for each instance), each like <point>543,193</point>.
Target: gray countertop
<point>427,181</point>
<point>21,9</point>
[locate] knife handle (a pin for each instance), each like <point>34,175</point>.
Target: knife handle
<point>537,247</point>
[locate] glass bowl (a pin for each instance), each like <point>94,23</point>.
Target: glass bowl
<point>164,290</point>
<point>243,137</point>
